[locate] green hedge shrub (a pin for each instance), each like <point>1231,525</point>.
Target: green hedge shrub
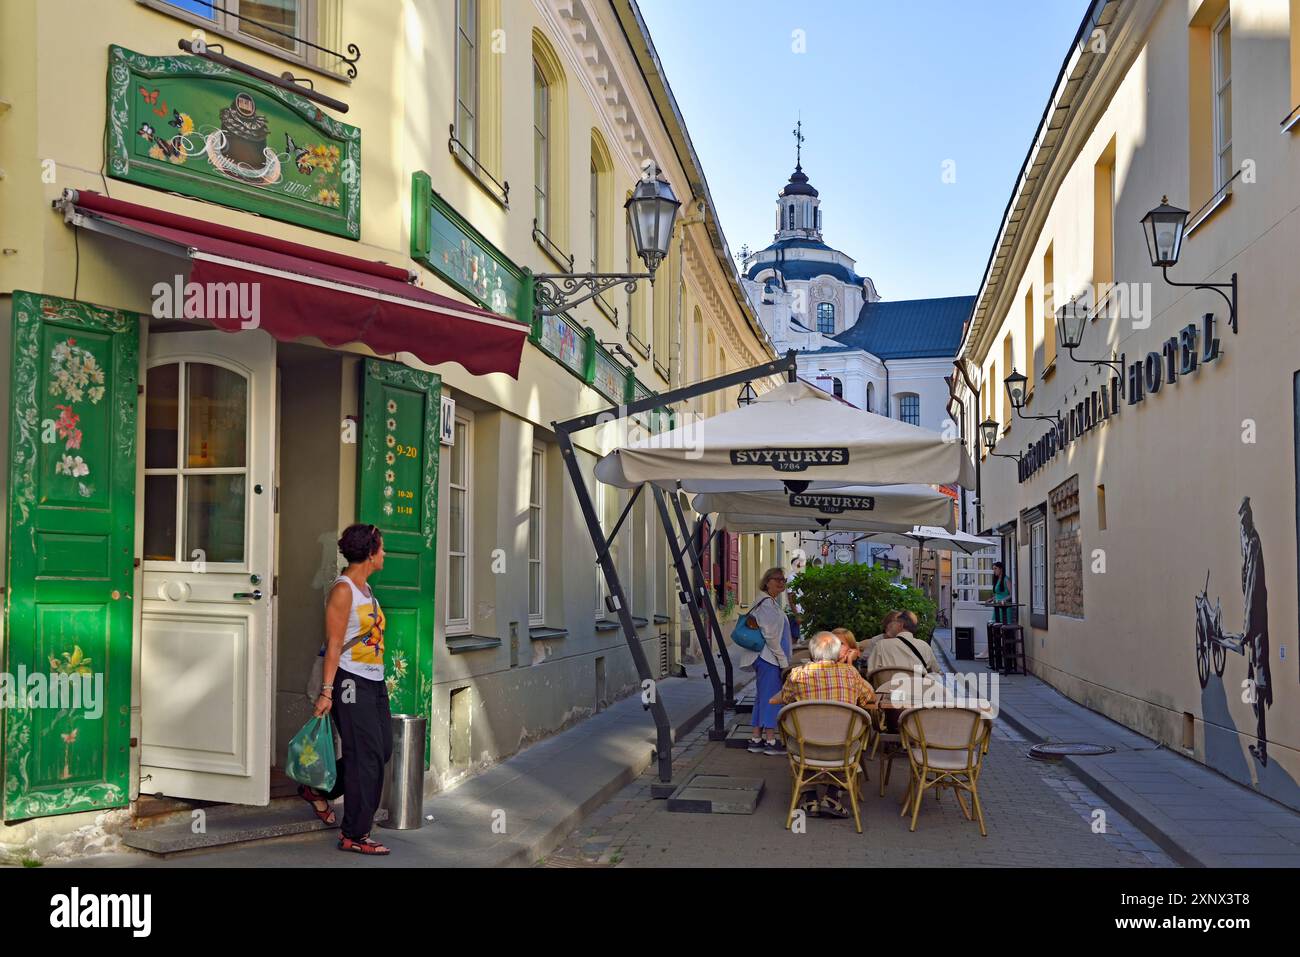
<point>856,597</point>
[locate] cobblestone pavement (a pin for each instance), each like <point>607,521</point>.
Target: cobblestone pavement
<point>1037,813</point>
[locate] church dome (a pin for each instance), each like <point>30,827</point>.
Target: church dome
<point>798,185</point>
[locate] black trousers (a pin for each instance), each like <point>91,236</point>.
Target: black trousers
<point>366,731</point>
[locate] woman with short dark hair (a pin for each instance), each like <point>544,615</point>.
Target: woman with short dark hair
<point>354,691</point>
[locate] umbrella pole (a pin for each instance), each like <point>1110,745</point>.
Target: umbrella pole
<point>710,612</point>
<point>664,738</point>
<point>688,597</point>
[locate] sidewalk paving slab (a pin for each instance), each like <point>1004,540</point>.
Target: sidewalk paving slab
<point>538,796</point>
<point>1198,816</point>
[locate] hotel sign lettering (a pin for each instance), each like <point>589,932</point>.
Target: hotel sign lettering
<point>1178,356</point>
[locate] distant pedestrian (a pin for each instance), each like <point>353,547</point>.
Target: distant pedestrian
<point>768,663</point>
<point>354,690</point>
<point>1001,595</point>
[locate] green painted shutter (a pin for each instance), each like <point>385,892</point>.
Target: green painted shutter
<point>398,492</point>
<point>68,612</point>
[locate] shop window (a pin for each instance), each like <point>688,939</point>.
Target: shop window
<point>459,543</point>
<point>909,408</point>
<point>196,463</point>
<point>537,536</point>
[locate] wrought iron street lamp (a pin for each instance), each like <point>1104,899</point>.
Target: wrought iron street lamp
<point>989,430</point>
<point>1071,321</point>
<point>651,213</point>
<point>1164,227</point>
<point>1015,384</point>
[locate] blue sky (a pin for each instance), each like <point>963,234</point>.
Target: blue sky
<point>889,90</point>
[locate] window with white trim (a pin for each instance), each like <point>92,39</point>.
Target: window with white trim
<point>541,148</point>
<point>537,536</point>
<point>1221,66</point>
<point>826,318</point>
<point>459,546</point>
<point>467,74</point>
<point>602,588</point>
<point>1038,566</point>
<point>277,26</point>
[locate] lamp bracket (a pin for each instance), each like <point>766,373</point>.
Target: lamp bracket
<point>1217,287</point>
<point>556,293</point>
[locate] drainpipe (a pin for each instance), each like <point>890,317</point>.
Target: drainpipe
<point>979,496</point>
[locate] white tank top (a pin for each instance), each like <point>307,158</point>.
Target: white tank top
<point>365,659</point>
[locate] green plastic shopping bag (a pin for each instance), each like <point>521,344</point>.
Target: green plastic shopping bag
<point>311,755</point>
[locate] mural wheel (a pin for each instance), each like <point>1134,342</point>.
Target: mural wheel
<point>1202,661</point>
<point>1220,658</point>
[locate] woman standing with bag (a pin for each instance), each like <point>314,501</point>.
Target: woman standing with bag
<point>353,690</point>
<point>768,663</point>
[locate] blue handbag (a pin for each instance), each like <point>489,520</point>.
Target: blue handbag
<point>747,634</point>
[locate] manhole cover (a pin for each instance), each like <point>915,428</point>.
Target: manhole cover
<point>1051,752</point>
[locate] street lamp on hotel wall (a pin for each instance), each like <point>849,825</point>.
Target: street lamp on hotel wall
<point>989,431</point>
<point>1164,227</point>
<point>651,211</point>
<point>1015,384</point>
<point>1071,321</point>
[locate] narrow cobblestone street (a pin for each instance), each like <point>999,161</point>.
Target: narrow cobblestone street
<point>1037,813</point>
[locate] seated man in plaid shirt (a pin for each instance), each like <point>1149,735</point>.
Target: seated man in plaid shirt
<point>826,678</point>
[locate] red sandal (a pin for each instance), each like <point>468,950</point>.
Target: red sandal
<point>363,846</point>
<point>311,797</point>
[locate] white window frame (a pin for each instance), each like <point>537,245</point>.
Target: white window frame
<point>830,308</point>
<point>456,626</point>
<point>226,24</point>
<point>541,149</point>
<point>1222,90</point>
<point>537,503</point>
<point>471,36</point>
<point>1038,567</point>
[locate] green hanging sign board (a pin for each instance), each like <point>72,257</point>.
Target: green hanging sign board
<point>398,492</point>
<point>191,126</point>
<point>71,530</point>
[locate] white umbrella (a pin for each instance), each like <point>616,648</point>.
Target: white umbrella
<point>867,508</point>
<point>792,434</point>
<point>935,538</point>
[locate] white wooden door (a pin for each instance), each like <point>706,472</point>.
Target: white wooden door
<point>206,630</point>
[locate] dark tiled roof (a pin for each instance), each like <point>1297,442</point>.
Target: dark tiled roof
<point>803,269</point>
<point>909,328</point>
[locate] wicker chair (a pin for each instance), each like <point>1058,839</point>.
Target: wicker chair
<point>826,741</point>
<point>945,748</point>
<point>884,742</point>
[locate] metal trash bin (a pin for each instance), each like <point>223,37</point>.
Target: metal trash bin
<point>403,795</point>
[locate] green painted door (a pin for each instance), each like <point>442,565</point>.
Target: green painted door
<point>68,612</point>
<point>398,492</point>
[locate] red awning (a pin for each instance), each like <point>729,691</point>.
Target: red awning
<point>300,291</point>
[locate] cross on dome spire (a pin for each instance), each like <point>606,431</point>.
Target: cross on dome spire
<point>797,132</point>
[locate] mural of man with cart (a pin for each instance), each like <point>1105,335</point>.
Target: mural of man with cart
<point>1212,643</point>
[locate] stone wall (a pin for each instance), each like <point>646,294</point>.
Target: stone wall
<point>1067,551</point>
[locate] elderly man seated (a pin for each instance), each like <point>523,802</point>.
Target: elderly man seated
<point>826,678</point>
<point>902,649</point>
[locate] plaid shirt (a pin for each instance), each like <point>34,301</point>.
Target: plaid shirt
<point>828,681</point>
